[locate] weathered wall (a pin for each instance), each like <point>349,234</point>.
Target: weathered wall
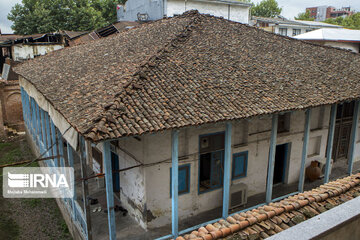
<point>11,106</point>
<point>153,8</point>
<point>248,135</point>
<point>27,51</point>
<point>354,47</point>
<point>232,12</point>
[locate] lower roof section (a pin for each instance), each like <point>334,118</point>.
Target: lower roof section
<point>268,220</point>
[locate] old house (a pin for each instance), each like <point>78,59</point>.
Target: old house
<point>189,114</point>
<point>290,28</point>
<point>150,10</point>
<point>340,38</point>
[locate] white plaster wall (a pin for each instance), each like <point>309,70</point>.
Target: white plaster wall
<point>345,45</point>
<point>257,131</point>
<point>231,12</point>
<point>290,29</point>
<point>27,51</point>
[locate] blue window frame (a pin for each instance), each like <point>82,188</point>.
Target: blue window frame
<point>184,179</point>
<point>239,165</point>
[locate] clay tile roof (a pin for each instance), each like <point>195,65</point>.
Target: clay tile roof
<point>188,70</point>
<point>268,220</point>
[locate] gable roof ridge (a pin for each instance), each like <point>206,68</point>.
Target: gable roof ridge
<point>117,106</point>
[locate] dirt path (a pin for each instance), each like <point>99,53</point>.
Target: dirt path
<point>27,218</point>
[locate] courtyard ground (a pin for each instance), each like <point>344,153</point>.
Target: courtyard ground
<point>27,218</point>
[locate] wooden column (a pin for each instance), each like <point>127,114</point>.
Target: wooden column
<point>109,190</point>
<point>271,163</point>
<point>304,150</point>
<point>85,188</point>
<point>227,170</point>
<point>354,132</point>
<point>56,143</point>
<point>330,142</point>
<point>174,182</point>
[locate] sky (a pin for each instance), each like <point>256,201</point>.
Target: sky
<point>291,8</point>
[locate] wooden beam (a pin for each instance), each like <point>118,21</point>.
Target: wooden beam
<point>48,136</point>
<point>271,161</point>
<point>304,149</point>
<point>61,148</point>
<point>330,142</point>
<point>109,190</point>
<point>174,182</point>
<point>43,128</point>
<point>54,140</point>
<point>85,188</point>
<point>227,170</point>
<point>354,133</point>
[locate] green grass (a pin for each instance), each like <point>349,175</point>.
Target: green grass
<point>9,229</point>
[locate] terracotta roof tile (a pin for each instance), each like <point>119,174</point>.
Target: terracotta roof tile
<point>188,70</point>
<point>254,224</point>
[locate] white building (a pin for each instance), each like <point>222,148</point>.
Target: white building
<point>148,10</point>
<point>289,28</point>
<point>340,38</point>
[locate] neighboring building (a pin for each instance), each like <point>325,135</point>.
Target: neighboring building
<point>99,33</point>
<point>15,49</point>
<point>196,106</point>
<point>27,47</point>
<point>149,10</point>
<point>287,27</point>
<point>340,38</point>
<point>322,13</point>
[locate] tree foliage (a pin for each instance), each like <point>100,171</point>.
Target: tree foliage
<point>305,16</point>
<point>40,16</point>
<point>266,8</point>
<point>352,22</point>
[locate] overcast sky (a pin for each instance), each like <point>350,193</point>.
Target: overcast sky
<point>291,8</point>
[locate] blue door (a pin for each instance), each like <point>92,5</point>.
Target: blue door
<point>116,174</point>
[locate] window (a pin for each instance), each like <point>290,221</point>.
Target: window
<point>184,179</point>
<point>211,161</point>
<point>309,30</point>
<point>283,31</point>
<point>284,123</point>
<point>239,165</point>
<point>296,32</point>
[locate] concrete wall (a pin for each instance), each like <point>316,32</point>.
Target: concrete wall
<point>345,45</point>
<point>154,9</point>
<point>232,12</point>
<point>157,9</point>
<point>27,51</point>
<point>251,135</point>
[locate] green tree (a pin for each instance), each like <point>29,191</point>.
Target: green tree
<point>352,22</point>
<point>40,16</point>
<point>266,8</point>
<point>304,16</point>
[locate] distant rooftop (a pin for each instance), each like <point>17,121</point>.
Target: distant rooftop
<point>327,34</point>
<point>285,21</point>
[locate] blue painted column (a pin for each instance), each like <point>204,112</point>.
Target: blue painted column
<point>304,150</point>
<point>227,170</point>
<point>61,148</point>
<point>174,182</point>
<point>330,142</point>
<point>33,119</point>
<point>109,190</point>
<point>48,137</point>
<point>70,154</point>
<point>271,164</point>
<point>354,133</point>
<point>54,140</point>
<point>43,128</point>
<point>38,122</point>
